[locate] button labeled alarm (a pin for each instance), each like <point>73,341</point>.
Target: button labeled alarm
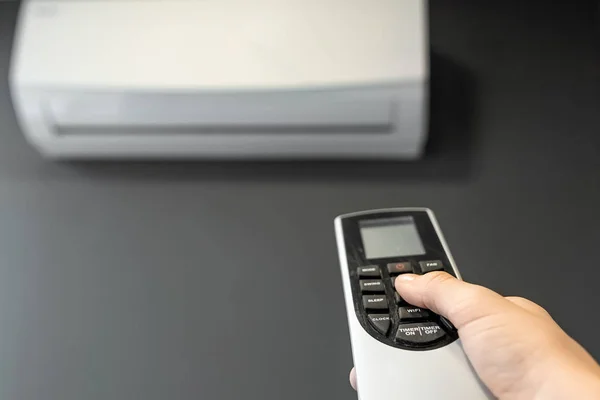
<point>381,322</point>
<point>412,313</point>
<point>378,302</point>
<point>372,285</point>
<point>369,271</point>
<point>429,266</point>
<point>400,268</point>
<point>420,333</point>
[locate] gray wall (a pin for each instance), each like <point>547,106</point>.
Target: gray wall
<point>220,281</point>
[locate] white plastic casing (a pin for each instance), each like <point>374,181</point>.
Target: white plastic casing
<point>385,372</point>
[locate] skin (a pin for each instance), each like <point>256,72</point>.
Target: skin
<point>515,346</point>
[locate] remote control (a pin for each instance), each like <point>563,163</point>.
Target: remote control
<point>400,351</point>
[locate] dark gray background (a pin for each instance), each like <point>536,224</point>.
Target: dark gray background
<point>220,281</point>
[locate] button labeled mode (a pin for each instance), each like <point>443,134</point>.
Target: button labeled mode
<point>369,271</point>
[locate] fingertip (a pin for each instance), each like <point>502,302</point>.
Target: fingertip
<point>449,297</point>
<point>353,378</point>
<point>404,279</point>
<point>424,290</point>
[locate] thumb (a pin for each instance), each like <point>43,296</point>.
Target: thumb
<point>460,302</point>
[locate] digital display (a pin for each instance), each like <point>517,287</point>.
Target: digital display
<point>390,237</point>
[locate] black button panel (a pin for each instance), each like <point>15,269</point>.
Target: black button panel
<point>380,310</point>
<point>390,318</point>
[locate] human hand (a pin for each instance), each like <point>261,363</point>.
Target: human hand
<point>515,347</point>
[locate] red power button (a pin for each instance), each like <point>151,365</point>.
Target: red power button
<point>400,268</point>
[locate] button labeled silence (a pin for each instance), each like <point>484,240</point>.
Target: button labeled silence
<point>400,268</point>
<point>372,285</point>
<point>429,266</point>
<point>381,322</point>
<point>369,271</point>
<point>412,313</point>
<point>420,333</point>
<point>377,302</point>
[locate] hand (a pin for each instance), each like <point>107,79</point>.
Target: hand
<point>516,348</point>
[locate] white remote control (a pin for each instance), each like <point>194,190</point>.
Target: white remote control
<point>400,351</point>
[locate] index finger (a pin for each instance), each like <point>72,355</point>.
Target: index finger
<point>445,295</point>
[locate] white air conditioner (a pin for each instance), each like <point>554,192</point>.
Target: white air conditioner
<point>222,78</point>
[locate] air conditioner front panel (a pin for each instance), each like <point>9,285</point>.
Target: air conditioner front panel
<point>80,113</point>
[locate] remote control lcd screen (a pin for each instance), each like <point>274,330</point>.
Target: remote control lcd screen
<point>390,237</point>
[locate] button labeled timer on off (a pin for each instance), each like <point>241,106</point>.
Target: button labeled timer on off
<point>420,333</point>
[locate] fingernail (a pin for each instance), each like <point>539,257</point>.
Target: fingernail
<point>406,277</point>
